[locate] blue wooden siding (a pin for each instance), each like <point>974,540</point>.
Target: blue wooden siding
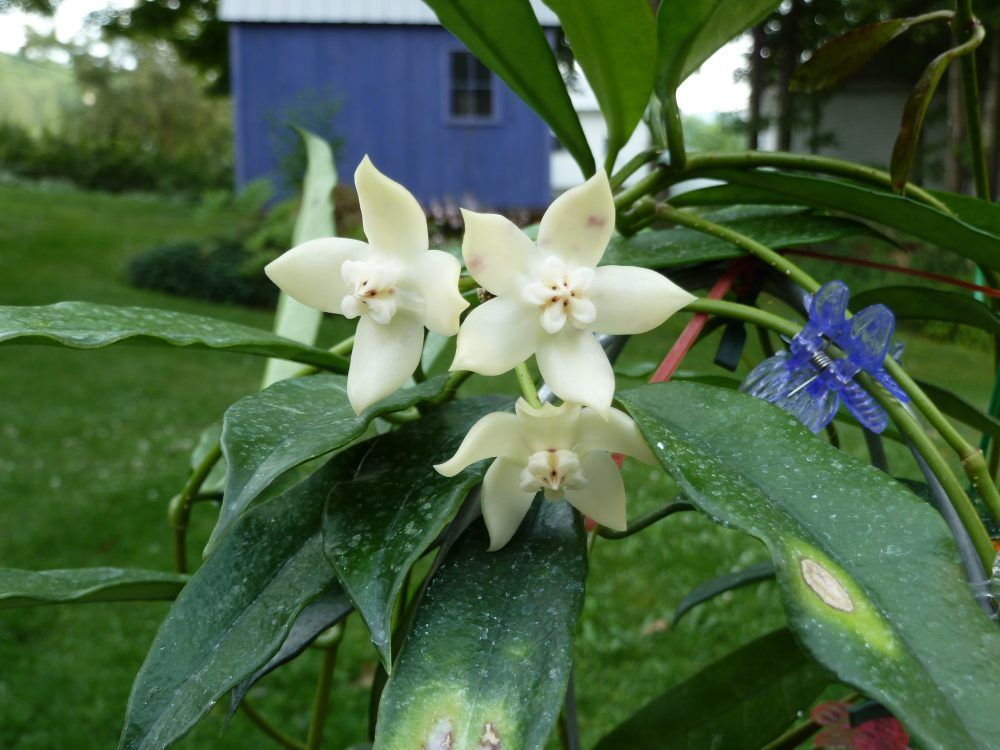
<point>392,83</point>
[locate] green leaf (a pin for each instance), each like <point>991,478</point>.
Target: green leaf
<point>710,589</point>
<point>378,524</point>
<point>923,303</point>
<point>508,39</point>
<point>86,325</point>
<point>977,243</point>
<point>236,611</point>
<point>975,211</point>
<point>914,112</point>
<point>740,702</point>
<point>958,408</point>
<point>267,433</point>
<point>691,32</point>
<point>489,654</point>
<point>331,607</point>
<point>294,320</point>
<point>868,572</point>
<point>29,588</point>
<point>774,226</point>
<point>615,44</point>
<point>843,56</point>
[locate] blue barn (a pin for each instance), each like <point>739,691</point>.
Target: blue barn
<point>408,93</point>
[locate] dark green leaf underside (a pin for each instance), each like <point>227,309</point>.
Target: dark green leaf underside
<point>28,588</point>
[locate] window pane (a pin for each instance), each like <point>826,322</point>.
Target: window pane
<point>460,69</point>
<point>480,73</point>
<point>461,103</point>
<point>484,103</point>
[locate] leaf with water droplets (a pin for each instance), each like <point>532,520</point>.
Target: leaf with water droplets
<point>869,574</point>
<point>378,524</point>
<point>486,661</point>
<point>87,325</point>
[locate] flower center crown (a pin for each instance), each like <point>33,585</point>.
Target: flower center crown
<point>561,294</point>
<point>375,293</point>
<point>553,471</point>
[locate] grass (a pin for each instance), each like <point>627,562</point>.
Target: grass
<point>93,444</point>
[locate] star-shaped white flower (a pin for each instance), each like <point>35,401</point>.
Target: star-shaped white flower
<point>562,450</point>
<point>393,283</point>
<point>551,298</point>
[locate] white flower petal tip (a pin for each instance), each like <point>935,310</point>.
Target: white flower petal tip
<point>578,225</point>
<point>435,276</point>
<point>495,337</point>
<point>385,355</point>
<point>311,273</point>
<point>576,368</point>
<point>632,300</point>
<point>496,252</point>
<point>393,220</point>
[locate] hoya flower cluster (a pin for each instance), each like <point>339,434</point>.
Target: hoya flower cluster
<point>549,299</point>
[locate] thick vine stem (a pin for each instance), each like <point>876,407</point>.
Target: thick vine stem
<point>633,165</point>
<point>907,425</point>
<point>321,704</point>
<point>766,254</point>
<point>666,175</point>
<point>643,522</point>
<point>675,132</point>
<point>180,507</point>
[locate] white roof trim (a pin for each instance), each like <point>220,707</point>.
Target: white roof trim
<point>413,12</point>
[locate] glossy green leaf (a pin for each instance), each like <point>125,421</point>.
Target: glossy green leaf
<point>774,226</point>
<point>332,606</point>
<point>292,319</point>
<point>914,113</point>
<point>922,303</point>
<point>958,408</point>
<point>29,588</point>
<point>842,57</point>
<point>952,233</point>
<point>486,661</point>
<point>236,611</point>
<point>740,702</point>
<point>691,32</point>
<point>508,39</point>
<point>87,325</point>
<point>379,523</point>
<point>868,572</point>
<point>615,44</point>
<point>712,588</point>
<point>972,210</point>
<point>267,433</point>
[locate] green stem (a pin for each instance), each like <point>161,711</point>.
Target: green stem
<point>451,387</point>
<point>267,728</point>
<point>968,29</point>
<point>907,425</point>
<point>630,167</point>
<point>647,520</point>
<point>794,737</point>
<point>344,347</point>
<point>180,507</point>
<point>807,163</point>
<point>675,132</point>
<point>651,184</point>
<point>527,384</point>
<point>766,254</point>
<point>321,703</point>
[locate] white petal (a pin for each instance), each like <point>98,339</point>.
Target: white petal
<point>549,428</point>
<point>633,300</point>
<point>434,275</point>
<point>384,357</point>
<point>576,368</point>
<point>578,225</point>
<point>603,499</point>
<point>614,433</point>
<point>496,434</point>
<point>311,272</point>
<point>393,220</point>
<point>504,503</point>
<point>496,252</point>
<point>496,336</point>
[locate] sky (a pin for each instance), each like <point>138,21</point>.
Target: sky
<point>710,90</point>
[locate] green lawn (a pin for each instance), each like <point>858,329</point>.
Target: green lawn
<point>93,444</point>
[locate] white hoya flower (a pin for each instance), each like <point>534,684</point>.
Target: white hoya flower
<point>551,298</point>
<point>393,283</point>
<point>562,450</point>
